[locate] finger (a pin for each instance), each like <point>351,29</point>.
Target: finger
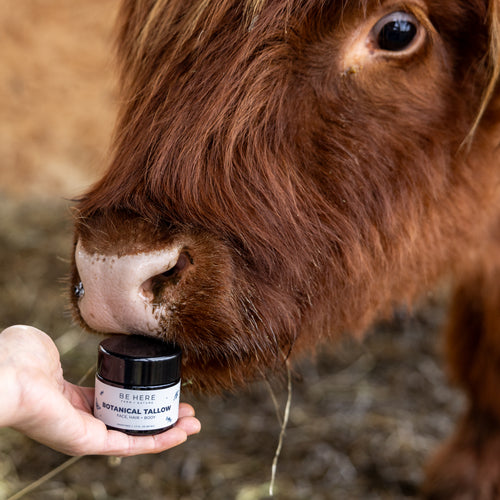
<point>140,445</point>
<point>121,444</point>
<point>189,425</point>
<point>96,439</point>
<point>186,410</point>
<point>31,340</point>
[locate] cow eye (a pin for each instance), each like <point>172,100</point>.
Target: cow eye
<point>395,32</point>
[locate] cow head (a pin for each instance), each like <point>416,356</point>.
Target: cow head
<point>284,171</point>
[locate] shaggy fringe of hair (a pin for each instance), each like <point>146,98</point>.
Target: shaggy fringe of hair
<point>199,19</point>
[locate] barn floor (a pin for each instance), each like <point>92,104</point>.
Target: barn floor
<point>364,417</point>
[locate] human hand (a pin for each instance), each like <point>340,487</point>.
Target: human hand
<point>47,408</point>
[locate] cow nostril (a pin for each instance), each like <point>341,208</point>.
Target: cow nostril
<point>153,288</point>
<point>182,263</point>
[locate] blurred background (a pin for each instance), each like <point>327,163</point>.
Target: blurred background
<point>364,416</point>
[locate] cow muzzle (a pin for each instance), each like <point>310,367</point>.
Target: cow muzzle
<point>120,293</point>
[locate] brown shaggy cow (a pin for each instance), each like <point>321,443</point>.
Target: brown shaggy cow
<point>284,171</point>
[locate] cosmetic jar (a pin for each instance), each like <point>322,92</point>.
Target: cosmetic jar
<point>137,384</point>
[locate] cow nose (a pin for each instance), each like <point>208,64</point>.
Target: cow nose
<point>120,293</point>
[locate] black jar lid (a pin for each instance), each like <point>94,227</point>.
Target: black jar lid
<point>135,360</point>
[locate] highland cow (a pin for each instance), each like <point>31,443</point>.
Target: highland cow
<point>284,171</point>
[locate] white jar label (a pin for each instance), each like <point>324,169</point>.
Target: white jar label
<point>136,410</point>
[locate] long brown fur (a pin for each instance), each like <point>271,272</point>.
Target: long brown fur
<point>312,199</point>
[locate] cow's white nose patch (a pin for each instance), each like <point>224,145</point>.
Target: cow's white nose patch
<point>114,300</point>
